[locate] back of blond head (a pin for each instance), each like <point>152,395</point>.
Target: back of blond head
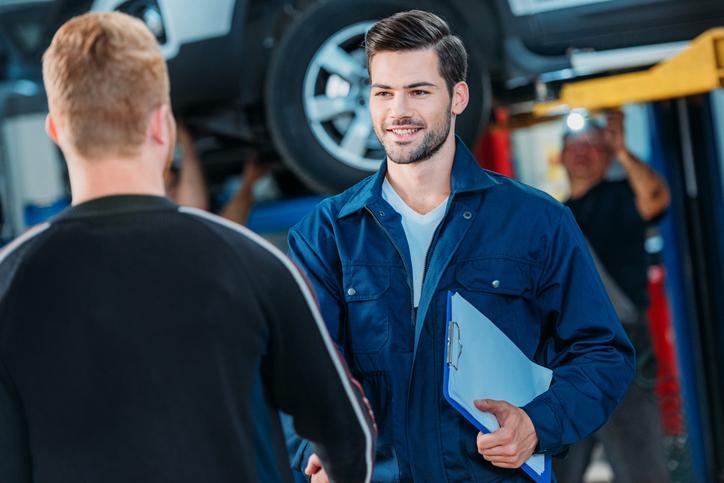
<point>104,74</point>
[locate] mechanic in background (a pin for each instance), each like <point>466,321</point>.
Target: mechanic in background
<point>186,185</point>
<point>143,341</point>
<point>614,217</point>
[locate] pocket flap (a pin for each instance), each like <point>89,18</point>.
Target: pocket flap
<point>364,282</point>
<point>494,275</point>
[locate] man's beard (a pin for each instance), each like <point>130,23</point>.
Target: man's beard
<point>431,143</point>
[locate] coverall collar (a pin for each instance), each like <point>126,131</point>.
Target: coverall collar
<point>466,176</point>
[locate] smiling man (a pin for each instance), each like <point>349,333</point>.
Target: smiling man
<point>383,255</point>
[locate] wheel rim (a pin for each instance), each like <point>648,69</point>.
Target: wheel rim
<point>336,99</point>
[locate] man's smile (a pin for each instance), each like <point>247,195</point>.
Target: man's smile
<point>404,133</point>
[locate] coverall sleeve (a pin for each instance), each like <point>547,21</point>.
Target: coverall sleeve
<point>583,342</point>
<point>323,277</point>
<point>312,384</point>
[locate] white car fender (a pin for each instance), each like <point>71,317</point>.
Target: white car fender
<point>185,21</point>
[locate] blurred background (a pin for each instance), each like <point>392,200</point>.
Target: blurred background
<point>271,97</point>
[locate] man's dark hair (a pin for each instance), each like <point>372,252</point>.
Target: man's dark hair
<point>417,30</point>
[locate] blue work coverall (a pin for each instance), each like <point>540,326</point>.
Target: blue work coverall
<point>518,256</point>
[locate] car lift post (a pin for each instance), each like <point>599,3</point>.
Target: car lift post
<point>686,112</point>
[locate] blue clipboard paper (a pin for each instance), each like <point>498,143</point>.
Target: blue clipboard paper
<point>481,362</point>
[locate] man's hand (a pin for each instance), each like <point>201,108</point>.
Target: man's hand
<point>253,170</point>
<point>315,470</point>
<point>614,133</point>
<point>514,442</point>
<point>184,136</point>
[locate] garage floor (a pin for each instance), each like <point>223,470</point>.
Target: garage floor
<point>599,471</point>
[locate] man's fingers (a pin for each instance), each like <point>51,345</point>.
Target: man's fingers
<point>320,477</point>
<point>487,441</point>
<point>500,409</point>
<point>504,461</point>
<point>503,464</point>
<point>502,451</point>
<point>313,465</point>
<point>614,114</point>
<point>311,469</point>
<point>483,404</point>
<point>508,460</point>
<point>500,437</point>
<point>490,405</point>
<point>513,442</point>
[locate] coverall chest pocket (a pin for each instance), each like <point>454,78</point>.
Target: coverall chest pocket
<point>364,288</point>
<point>498,288</point>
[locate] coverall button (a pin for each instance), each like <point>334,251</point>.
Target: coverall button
<point>495,283</point>
<point>382,213</point>
<point>351,291</point>
<point>467,215</point>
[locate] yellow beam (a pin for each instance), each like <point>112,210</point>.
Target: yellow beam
<point>696,70</point>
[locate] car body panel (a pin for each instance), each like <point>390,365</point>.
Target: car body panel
<point>220,52</point>
<point>185,21</point>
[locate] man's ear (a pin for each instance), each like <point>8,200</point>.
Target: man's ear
<point>51,129</point>
<point>460,98</point>
<point>159,129</point>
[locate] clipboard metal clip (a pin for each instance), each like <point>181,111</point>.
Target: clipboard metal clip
<point>453,359</point>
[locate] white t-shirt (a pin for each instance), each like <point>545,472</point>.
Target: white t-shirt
<point>419,230</point>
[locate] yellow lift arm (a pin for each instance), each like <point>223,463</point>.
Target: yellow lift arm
<point>696,70</point>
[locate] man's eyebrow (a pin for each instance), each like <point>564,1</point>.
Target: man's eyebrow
<point>419,84</point>
<point>414,85</point>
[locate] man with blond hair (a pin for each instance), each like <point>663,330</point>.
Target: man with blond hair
<point>142,341</point>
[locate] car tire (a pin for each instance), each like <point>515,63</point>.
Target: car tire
<point>317,89</point>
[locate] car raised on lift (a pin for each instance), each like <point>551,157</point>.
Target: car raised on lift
<point>289,77</point>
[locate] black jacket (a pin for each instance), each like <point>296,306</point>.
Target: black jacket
<point>143,342</point>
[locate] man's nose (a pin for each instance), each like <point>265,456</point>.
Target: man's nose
<point>400,107</point>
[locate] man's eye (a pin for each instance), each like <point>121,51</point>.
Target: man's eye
<point>419,92</point>
<point>383,94</point>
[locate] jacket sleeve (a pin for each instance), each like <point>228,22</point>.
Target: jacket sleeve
<point>312,384</point>
<point>15,459</point>
<point>583,343</point>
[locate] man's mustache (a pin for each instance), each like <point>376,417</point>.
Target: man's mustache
<point>405,122</point>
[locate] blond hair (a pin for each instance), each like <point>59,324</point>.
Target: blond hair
<point>104,74</point>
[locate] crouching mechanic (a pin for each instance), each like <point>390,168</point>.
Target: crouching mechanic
<point>141,341</point>
<point>383,255</point>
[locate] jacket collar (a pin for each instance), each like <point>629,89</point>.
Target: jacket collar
<point>467,176</point>
<point>116,204</point>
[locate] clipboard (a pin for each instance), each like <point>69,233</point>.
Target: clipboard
<point>474,346</point>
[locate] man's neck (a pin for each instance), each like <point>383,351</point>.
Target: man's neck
<point>91,179</point>
<point>581,186</point>
<point>425,184</point>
